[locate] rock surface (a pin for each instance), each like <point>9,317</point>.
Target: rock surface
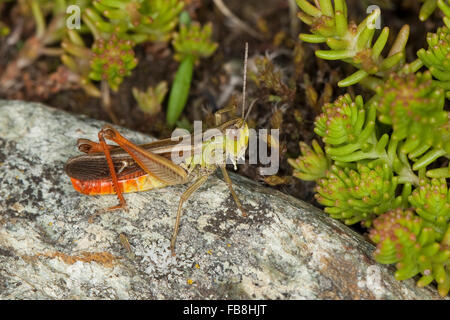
<point>285,249</point>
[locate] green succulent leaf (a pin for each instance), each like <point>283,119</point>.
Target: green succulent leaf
<point>312,164</point>
<point>428,7</point>
<point>444,5</point>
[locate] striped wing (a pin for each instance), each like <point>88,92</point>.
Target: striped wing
<point>94,166</point>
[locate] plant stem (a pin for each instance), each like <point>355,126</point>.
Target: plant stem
<point>106,101</point>
<point>40,22</point>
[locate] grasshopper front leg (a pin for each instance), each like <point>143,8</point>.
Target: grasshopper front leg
<point>230,186</point>
<point>194,187</point>
<point>185,196</point>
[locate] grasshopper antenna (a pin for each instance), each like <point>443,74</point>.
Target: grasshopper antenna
<point>245,80</point>
<point>250,108</point>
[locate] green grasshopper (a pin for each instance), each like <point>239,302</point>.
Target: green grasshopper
<point>108,169</point>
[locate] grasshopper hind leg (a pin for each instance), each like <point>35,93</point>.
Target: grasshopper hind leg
<point>89,146</point>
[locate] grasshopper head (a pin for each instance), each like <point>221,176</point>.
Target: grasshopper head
<point>236,131</point>
<point>235,139</point>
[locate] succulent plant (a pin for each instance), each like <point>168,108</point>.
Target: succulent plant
<point>112,60</point>
<point>152,20</point>
<point>312,164</point>
<point>437,57</point>
<point>347,128</point>
<point>379,151</point>
<point>403,238</point>
<point>150,101</point>
<point>366,171</point>
<point>432,203</point>
<point>439,173</point>
<point>161,20</point>
<point>50,29</point>
<point>116,27</point>
<point>350,42</point>
<point>360,194</point>
<point>428,7</point>
<point>414,107</point>
<point>193,40</point>
<point>77,58</point>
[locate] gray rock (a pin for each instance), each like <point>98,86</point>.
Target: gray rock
<point>285,249</point>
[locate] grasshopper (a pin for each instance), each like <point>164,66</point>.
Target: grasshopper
<point>127,167</point>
